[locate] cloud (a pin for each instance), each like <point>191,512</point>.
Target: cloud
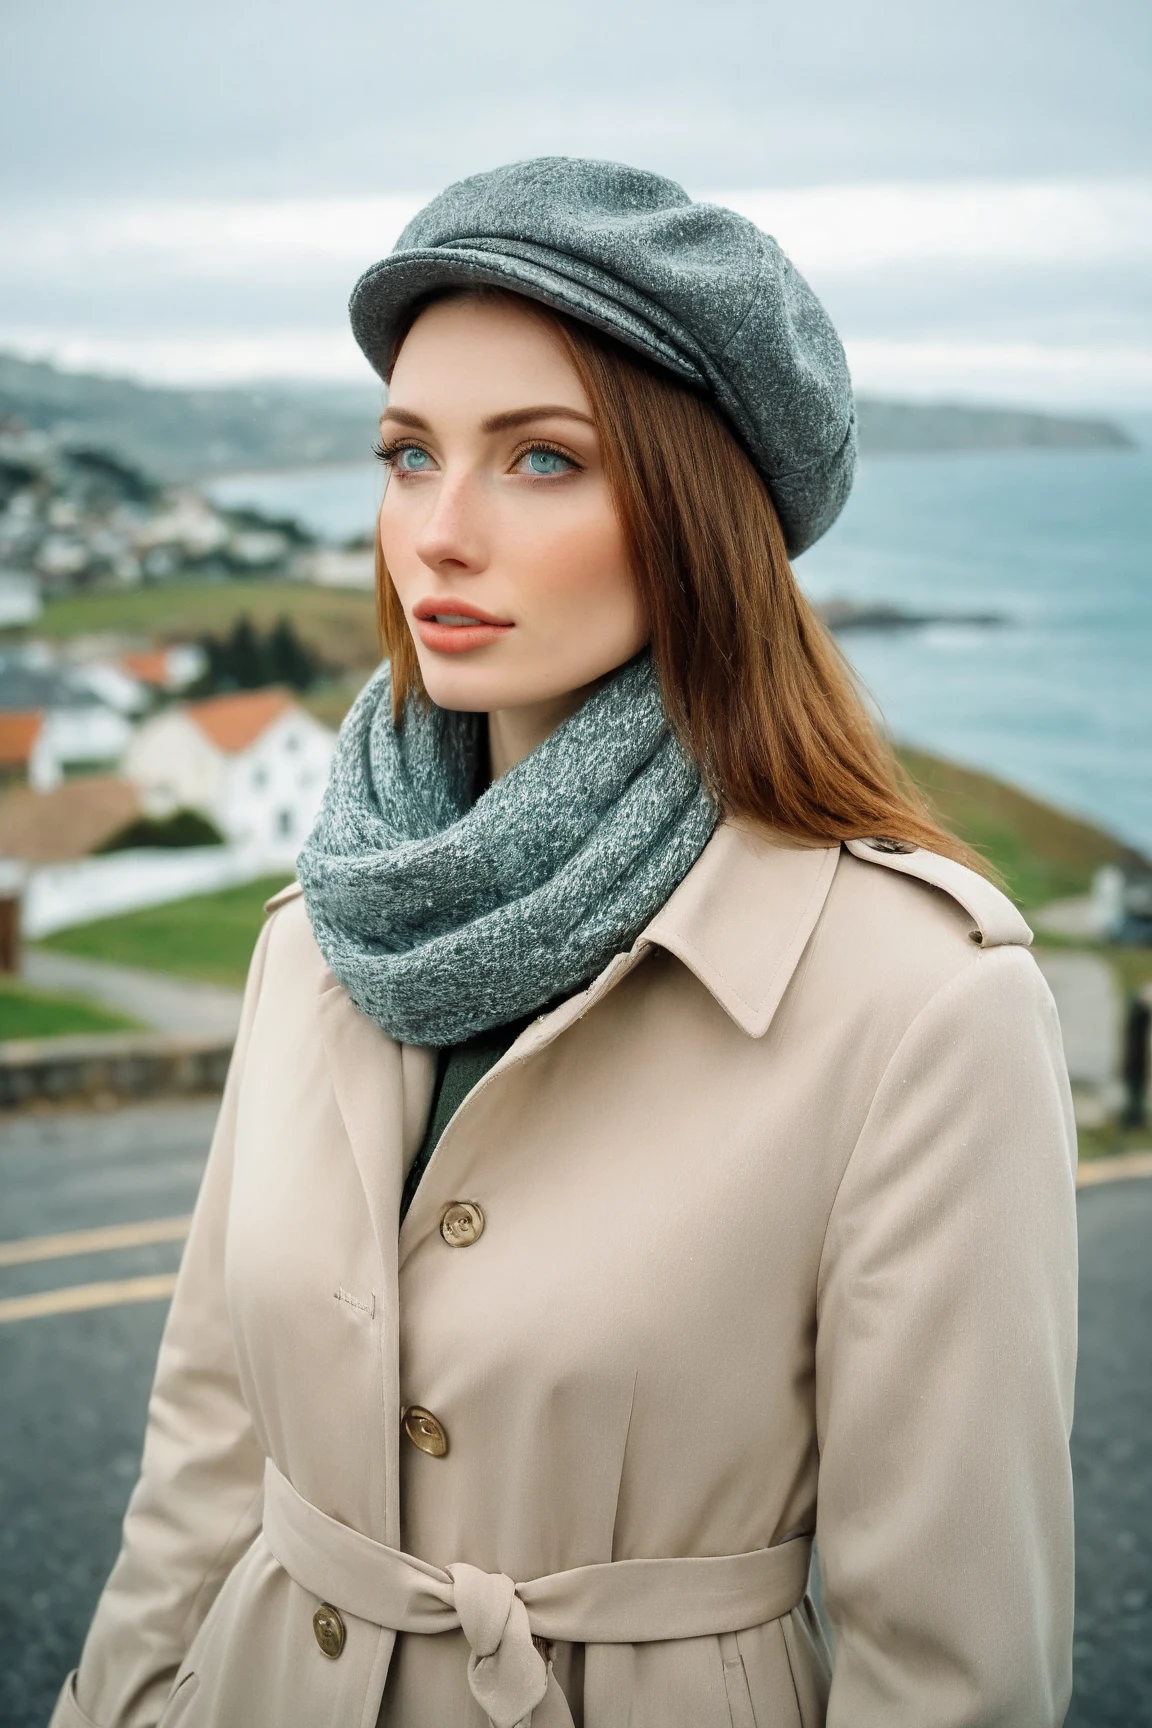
<point>279,96</point>
<point>1088,375</point>
<point>204,357</point>
<point>1010,290</point>
<point>824,228</point>
<point>997,223</point>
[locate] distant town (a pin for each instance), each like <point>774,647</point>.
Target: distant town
<point>137,766</point>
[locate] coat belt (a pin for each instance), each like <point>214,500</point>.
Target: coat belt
<point>616,1602</point>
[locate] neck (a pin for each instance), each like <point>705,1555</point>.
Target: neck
<point>514,733</point>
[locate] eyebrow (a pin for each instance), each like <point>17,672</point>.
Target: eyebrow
<point>506,422</point>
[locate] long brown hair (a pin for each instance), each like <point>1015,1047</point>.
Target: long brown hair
<point>753,683</point>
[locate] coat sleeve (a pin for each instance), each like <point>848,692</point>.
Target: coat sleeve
<point>944,1372</point>
<point>197,1504</point>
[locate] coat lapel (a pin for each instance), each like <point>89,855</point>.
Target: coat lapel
<point>367,1076</point>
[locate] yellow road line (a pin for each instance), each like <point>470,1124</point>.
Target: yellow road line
<point>1113,1167</point>
<point>108,1236</point>
<point>158,1286</point>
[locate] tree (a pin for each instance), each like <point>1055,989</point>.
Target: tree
<point>246,656</point>
<point>288,659</point>
<point>246,660</point>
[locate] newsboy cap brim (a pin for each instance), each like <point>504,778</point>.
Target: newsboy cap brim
<point>695,288</point>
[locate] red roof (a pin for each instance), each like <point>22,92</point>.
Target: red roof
<point>234,722</point>
<point>19,730</point>
<point>150,666</point>
<point>68,822</point>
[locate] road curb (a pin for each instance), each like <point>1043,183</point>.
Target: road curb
<point>110,1067</point>
<point>1115,1167</point>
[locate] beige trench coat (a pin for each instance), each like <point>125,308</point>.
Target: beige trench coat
<point>778,1240</point>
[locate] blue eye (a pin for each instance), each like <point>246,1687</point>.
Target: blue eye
<point>547,462</point>
<point>412,460</point>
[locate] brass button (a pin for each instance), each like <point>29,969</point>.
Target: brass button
<point>462,1224</point>
<point>425,1431</point>
<point>329,1630</point>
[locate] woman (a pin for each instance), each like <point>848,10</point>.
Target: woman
<point>647,1145</point>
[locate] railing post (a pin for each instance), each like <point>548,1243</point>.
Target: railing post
<point>1136,1059</point>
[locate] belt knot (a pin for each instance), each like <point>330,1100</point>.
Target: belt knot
<point>506,1672</point>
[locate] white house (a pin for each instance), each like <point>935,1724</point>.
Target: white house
<point>20,601</point>
<point>255,763</point>
<point>170,669</point>
<point>56,723</point>
<point>87,739</point>
<point>43,747</point>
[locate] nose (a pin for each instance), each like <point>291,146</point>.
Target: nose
<point>451,538</point>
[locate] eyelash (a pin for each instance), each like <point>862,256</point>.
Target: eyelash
<point>387,453</point>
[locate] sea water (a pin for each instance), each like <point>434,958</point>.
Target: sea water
<point>1057,698</point>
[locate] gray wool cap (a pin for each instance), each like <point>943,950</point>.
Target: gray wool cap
<point>693,287</point>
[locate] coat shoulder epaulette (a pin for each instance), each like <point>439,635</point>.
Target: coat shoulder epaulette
<point>284,895</point>
<point>996,922</point>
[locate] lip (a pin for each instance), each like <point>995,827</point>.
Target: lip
<point>456,638</point>
<point>447,604</point>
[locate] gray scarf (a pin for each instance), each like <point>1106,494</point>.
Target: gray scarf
<point>444,914</point>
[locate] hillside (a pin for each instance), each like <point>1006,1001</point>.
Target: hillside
<point>1041,853</point>
<point>185,434</point>
<point>337,624</point>
<point>898,428</point>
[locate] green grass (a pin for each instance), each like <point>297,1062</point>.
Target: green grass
<point>208,936</point>
<point>1111,1140</point>
<point>1041,853</point>
<point>339,624</point>
<point>28,1013</point>
<point>329,702</point>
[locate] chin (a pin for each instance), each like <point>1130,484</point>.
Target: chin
<point>480,689</point>
<point>472,689</point>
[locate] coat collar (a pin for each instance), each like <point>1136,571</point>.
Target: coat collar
<point>742,916</point>
<point>739,921</point>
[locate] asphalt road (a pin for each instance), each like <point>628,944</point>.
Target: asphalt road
<point>75,1386</point>
<point>165,1003</point>
<point>1112,1460</point>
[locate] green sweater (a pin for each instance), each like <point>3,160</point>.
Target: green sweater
<point>458,1069</point>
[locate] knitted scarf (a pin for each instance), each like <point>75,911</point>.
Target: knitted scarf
<point>443,913</point>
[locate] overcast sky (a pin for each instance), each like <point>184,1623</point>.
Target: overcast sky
<point>190,189</point>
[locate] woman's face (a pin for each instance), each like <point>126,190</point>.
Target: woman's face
<point>497,526</point>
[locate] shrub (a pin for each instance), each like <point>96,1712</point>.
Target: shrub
<point>182,828</point>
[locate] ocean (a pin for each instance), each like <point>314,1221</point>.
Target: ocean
<point>1057,698</point>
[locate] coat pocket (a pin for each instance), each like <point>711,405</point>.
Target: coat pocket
<point>736,1683</point>
<point>767,1680</point>
<point>179,1701</point>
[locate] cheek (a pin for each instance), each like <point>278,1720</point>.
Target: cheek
<point>396,536</point>
<point>576,558</point>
